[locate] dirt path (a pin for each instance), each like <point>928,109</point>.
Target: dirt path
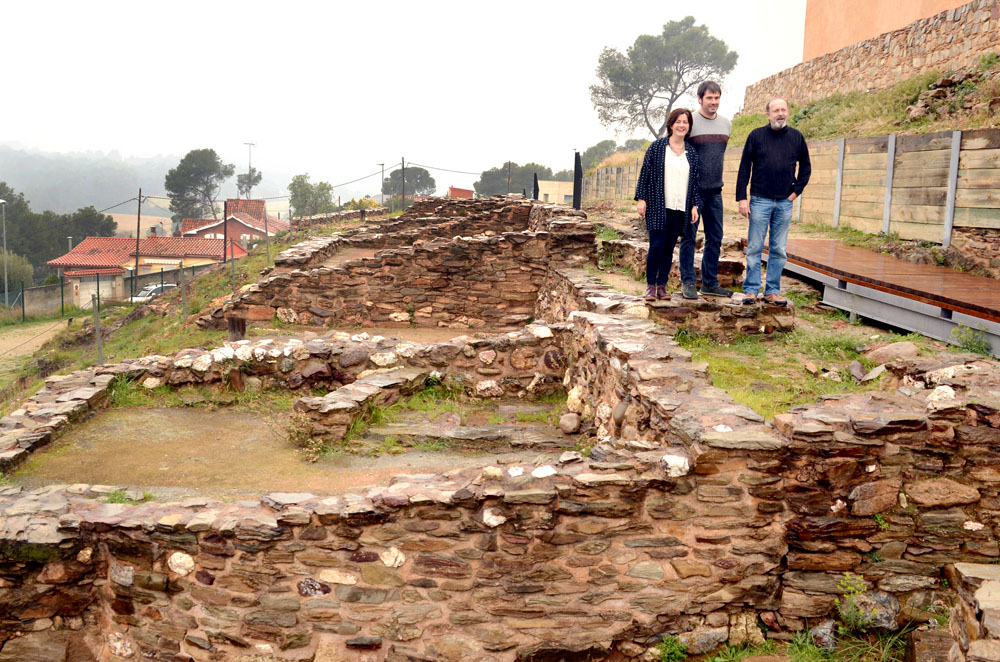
<point>17,342</point>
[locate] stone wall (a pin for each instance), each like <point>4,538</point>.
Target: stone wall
<point>632,256</point>
<point>304,222</point>
<point>482,281</point>
<point>949,40</point>
<point>690,516</point>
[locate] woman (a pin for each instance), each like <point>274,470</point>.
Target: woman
<point>667,195</point>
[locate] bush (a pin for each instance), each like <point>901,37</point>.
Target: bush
<point>672,649</point>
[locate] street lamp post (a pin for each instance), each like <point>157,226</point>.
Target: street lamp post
<point>381,183</point>
<point>3,207</point>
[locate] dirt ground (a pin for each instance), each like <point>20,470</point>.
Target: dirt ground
<point>19,342</point>
<point>224,453</point>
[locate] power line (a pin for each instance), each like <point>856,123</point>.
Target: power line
<point>460,172</point>
<point>118,205</point>
<point>44,331</point>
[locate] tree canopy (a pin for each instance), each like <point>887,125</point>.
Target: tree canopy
<point>307,198</point>
<point>597,153</point>
<point>246,181</point>
<point>640,87</point>
<point>418,182</point>
<point>193,186</point>
<point>42,237</point>
<point>494,180</point>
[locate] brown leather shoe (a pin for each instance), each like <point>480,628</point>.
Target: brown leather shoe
<point>650,294</point>
<point>661,292</point>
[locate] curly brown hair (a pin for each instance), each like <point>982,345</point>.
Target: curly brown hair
<point>674,114</point>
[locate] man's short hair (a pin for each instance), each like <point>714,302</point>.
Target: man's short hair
<point>767,106</point>
<point>708,86</point>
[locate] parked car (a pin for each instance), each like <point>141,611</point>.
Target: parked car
<point>150,291</point>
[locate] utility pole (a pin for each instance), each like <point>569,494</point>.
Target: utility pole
<point>508,177</point>
<point>225,228</point>
<point>381,183</point>
<point>403,179</point>
<point>250,147</point>
<point>138,225</point>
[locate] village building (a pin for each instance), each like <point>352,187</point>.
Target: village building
<point>561,193</point>
<point>101,265</point>
<point>461,193</point>
<point>244,222</point>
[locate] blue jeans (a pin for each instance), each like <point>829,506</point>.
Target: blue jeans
<point>711,217</point>
<point>766,215</point>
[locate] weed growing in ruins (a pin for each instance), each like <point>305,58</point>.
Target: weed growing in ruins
<point>431,445</point>
<point>971,339</point>
<point>802,649</point>
<point>738,653</point>
<point>672,649</point>
<point>389,446</point>
<point>880,522</point>
<point>853,618</point>
<point>989,61</point>
<point>122,496</point>
<point>604,233</point>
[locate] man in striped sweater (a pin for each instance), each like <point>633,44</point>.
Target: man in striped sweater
<point>709,136</point>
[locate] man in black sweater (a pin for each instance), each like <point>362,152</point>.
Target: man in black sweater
<point>770,156</point>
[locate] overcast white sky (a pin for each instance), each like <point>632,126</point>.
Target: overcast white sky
<point>333,89</point>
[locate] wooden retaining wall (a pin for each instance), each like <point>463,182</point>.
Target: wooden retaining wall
<point>929,191</point>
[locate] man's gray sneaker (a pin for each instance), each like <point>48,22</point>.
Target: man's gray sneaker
<point>688,291</point>
<point>716,291</point>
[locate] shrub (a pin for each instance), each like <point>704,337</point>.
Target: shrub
<point>672,649</point>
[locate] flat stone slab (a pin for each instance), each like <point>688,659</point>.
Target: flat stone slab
<point>49,646</point>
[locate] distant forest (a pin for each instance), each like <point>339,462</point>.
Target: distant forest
<point>63,183</point>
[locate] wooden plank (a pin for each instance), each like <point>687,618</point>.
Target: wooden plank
<point>979,197</point>
<point>925,142</point>
<point>970,217</point>
<point>863,194</point>
<point>869,225</point>
<point>981,139</point>
<point>867,145</point>
<point>978,178</point>
<point>864,161</point>
<point>916,213</point>
<point>980,158</point>
<point>863,209</point>
<point>937,159</point>
<point>929,195</point>
<point>916,231</point>
<point>912,177</point>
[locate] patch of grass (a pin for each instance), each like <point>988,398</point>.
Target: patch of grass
<point>766,374</point>
<point>738,653</point>
<point>431,445</point>
<point>671,649</point>
<point>121,496</point>
<point>604,233</point>
<point>971,339</point>
<point>496,419</point>
<point>802,649</point>
<point>433,401</point>
<point>390,445</point>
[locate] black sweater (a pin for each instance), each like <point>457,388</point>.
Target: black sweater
<point>772,155</point>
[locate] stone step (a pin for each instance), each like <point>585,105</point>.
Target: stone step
<point>516,436</point>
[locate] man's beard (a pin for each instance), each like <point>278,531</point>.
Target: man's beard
<point>778,124</point>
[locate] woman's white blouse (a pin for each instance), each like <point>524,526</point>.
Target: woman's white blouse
<point>675,179</point>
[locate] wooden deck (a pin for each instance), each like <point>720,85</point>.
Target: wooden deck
<point>946,288</point>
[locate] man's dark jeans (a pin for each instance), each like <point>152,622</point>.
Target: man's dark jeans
<point>711,217</point>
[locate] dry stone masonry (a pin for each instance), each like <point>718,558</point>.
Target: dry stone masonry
<point>949,40</point>
<point>690,515</point>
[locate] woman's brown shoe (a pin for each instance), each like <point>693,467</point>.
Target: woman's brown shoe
<point>650,294</point>
<point>661,292</point>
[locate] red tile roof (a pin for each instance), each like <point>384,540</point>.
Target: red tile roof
<point>252,208</point>
<point>120,251</point>
<point>195,225</point>
<point>80,273</point>
<point>455,192</point>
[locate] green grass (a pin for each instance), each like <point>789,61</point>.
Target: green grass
<point>604,233</point>
<point>767,374</point>
<point>121,496</point>
<point>430,445</point>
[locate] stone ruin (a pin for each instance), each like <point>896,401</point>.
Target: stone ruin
<point>691,516</point>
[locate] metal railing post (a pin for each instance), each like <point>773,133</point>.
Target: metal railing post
<point>949,210</point>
